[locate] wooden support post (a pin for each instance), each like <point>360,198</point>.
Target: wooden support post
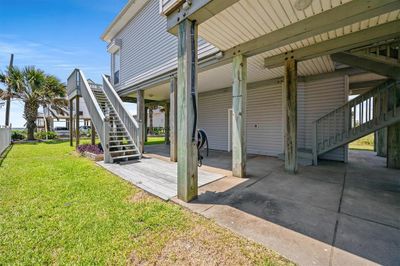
<point>141,119</point>
<point>239,98</point>
<point>93,135</point>
<point>166,122</point>
<point>106,148</point>
<point>146,111</point>
<point>381,142</point>
<point>77,120</point>
<point>71,122</point>
<point>291,115</point>
<point>393,146</point>
<point>173,120</point>
<point>187,111</point>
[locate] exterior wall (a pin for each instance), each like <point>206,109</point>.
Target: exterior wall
<point>213,117</point>
<point>147,48</point>
<point>265,119</point>
<point>321,97</point>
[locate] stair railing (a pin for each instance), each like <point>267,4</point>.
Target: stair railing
<point>131,125</point>
<point>375,109</point>
<point>78,82</point>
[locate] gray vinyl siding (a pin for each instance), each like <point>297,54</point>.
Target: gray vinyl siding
<point>145,43</point>
<point>213,117</point>
<point>320,98</point>
<point>147,48</point>
<point>264,119</point>
<point>265,115</point>
<point>301,116</point>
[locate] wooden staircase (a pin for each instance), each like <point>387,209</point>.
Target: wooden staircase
<point>121,146</point>
<point>118,131</point>
<point>367,113</point>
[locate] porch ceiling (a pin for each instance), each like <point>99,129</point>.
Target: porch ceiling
<point>247,20</point>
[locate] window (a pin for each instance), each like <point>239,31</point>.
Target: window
<point>116,66</point>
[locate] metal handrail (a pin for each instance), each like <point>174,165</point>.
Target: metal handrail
<point>128,121</point>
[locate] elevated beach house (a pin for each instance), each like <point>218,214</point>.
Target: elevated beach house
<point>295,79</point>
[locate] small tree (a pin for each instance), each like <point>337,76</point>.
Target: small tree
<point>34,88</point>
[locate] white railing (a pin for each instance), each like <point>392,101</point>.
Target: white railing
<point>375,109</point>
<point>78,81</point>
<point>130,124</point>
<point>5,138</point>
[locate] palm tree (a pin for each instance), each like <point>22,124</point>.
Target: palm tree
<point>35,89</point>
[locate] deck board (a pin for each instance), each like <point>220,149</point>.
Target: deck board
<point>156,176</point>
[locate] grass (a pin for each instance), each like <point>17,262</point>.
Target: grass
<point>364,143</point>
<point>154,140</point>
<point>58,208</point>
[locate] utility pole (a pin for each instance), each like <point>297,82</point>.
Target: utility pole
<point>8,101</point>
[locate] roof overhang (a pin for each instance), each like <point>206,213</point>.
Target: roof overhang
<point>127,13</point>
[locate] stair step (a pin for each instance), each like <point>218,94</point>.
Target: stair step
<point>118,133</point>
<point>123,151</point>
<point>119,140</point>
<point>132,156</point>
<point>122,146</point>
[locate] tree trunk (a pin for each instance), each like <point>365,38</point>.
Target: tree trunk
<point>30,115</point>
<point>151,131</point>
<point>49,123</point>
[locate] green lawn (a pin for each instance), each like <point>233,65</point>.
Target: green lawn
<point>364,143</point>
<point>155,140</point>
<point>58,208</point>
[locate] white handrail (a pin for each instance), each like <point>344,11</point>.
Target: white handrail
<point>128,121</point>
<point>362,115</point>
<point>80,84</point>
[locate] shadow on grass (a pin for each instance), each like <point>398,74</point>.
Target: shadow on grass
<point>4,154</point>
<point>55,141</point>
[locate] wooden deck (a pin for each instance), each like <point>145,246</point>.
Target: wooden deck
<point>156,176</point>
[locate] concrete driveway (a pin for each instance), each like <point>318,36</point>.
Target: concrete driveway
<point>333,214</point>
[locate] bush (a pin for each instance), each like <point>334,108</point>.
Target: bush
<point>96,149</point>
<point>42,135</point>
<point>18,135</point>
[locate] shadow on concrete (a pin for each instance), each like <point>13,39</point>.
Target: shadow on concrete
<point>353,207</point>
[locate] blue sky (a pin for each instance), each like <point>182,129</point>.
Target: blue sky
<point>55,36</point>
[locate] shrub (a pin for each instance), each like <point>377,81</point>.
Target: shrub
<point>42,135</point>
<point>96,149</point>
<point>18,135</point>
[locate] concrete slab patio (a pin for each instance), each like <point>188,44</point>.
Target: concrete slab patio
<point>333,214</point>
